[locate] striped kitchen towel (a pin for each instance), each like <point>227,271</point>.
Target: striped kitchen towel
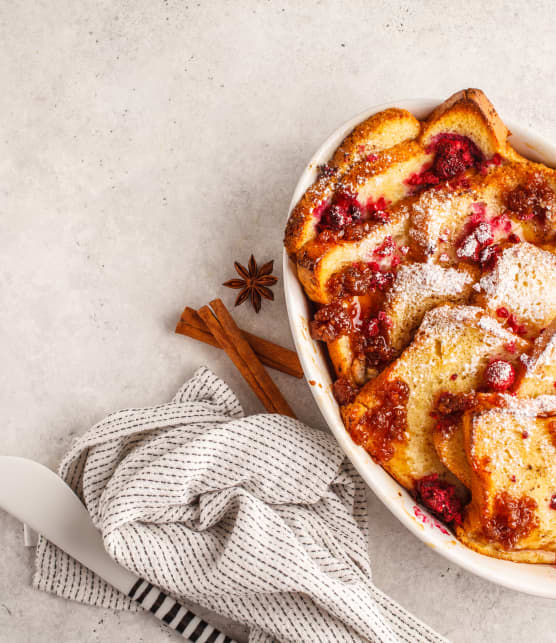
<point>259,518</point>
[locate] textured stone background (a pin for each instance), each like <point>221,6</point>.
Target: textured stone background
<point>147,144</point>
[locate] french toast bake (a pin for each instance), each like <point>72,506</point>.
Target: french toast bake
<point>429,251</point>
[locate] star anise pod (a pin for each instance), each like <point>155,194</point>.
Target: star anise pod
<point>254,282</point>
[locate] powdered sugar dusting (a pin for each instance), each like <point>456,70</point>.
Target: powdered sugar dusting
<point>426,279</point>
<point>431,212</point>
<point>454,317</point>
<point>543,406</point>
<point>524,282</point>
<point>450,325</point>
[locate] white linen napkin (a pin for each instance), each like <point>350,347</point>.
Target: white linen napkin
<point>258,518</point>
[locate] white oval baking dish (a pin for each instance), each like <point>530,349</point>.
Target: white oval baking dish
<point>538,580</point>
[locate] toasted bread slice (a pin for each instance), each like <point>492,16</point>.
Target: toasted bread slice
<point>512,454</point>
<point>378,132</point>
<point>345,363</point>
<point>417,220</point>
<point>538,376</point>
<point>319,260</point>
<point>449,442</point>
<point>390,177</point>
<point>477,542</point>
<point>450,449</point>
<point>538,556</point>
<point>417,288</point>
<point>522,287</point>
<point>435,225</point>
<point>469,113</point>
<point>441,218</point>
<point>452,340</point>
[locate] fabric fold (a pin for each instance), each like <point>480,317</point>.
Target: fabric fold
<point>259,518</point>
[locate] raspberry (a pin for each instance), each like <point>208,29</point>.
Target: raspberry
<point>499,375</point>
<point>386,248</point>
<point>447,167</point>
<point>453,155</point>
<point>483,233</point>
<point>371,328</point>
<point>511,347</point>
<point>517,328</point>
<point>502,312</point>
<point>489,256</point>
<point>383,317</point>
<point>377,210</point>
<point>382,280</point>
<point>344,210</point>
<point>380,215</point>
<point>479,211</point>
<point>336,218</point>
<point>469,248</point>
<point>440,497</point>
<point>502,222</point>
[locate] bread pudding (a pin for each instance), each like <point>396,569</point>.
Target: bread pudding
<point>428,249</point>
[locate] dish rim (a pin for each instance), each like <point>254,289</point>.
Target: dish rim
<point>534,579</point>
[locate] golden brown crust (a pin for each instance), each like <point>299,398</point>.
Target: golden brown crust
<point>379,131</point>
<point>476,103</point>
<point>482,546</point>
<point>450,449</point>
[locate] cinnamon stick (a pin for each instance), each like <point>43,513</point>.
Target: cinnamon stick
<point>271,354</point>
<point>215,327</point>
<point>205,336</point>
<point>248,357</point>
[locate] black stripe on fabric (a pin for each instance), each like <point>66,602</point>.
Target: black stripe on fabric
<point>171,613</point>
<point>143,596</point>
<point>135,588</point>
<point>215,634</point>
<point>187,618</point>
<point>159,600</point>
<point>227,639</point>
<point>198,630</point>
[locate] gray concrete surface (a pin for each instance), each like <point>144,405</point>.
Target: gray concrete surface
<point>146,145</point>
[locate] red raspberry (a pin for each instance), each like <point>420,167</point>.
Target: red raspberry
<point>440,497</point>
<point>488,256</point>
<point>499,375</point>
<point>371,328</point>
<point>483,233</point>
<point>469,248</point>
